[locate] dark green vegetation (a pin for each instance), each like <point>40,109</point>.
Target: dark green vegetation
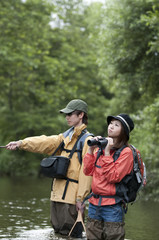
<point>54,51</point>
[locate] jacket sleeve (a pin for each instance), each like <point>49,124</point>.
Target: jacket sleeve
<point>84,186</point>
<point>88,164</point>
<point>115,171</point>
<point>41,144</point>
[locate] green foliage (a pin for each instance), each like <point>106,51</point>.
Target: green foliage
<point>129,60</point>
<point>48,57</point>
<point>19,163</point>
<point>132,66</point>
<point>151,191</point>
<point>24,47</point>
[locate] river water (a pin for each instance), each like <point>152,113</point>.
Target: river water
<point>24,212</point>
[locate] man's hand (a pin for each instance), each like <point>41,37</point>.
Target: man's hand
<point>13,145</point>
<point>80,206</point>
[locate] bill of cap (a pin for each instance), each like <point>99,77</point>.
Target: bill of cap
<point>66,110</point>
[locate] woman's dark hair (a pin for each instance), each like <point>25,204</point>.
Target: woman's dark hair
<point>122,138</point>
<point>85,116</point>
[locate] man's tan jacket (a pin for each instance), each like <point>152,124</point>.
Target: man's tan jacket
<point>47,145</point>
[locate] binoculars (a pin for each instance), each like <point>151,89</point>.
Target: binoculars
<point>101,142</point>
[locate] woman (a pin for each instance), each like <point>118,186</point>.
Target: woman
<point>106,211</point>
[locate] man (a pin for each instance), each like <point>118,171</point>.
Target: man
<point>66,196</point>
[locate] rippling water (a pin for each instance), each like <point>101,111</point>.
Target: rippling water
<point>19,216</point>
<point>25,207</point>
<point>25,211</point>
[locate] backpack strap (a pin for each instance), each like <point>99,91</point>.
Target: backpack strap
<point>74,147</point>
<point>115,156</point>
<point>117,199</point>
<point>99,153</point>
<point>61,145</point>
<point>117,153</point>
<point>80,143</point>
<point>66,186</point>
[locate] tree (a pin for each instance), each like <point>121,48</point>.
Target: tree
<point>129,59</point>
<point>126,58</point>
<point>45,65</point>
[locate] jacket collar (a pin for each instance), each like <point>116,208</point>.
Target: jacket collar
<point>78,130</point>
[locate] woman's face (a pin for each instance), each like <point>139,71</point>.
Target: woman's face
<point>114,128</point>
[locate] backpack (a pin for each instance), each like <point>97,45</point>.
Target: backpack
<point>132,183</point>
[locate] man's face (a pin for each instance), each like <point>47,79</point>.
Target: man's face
<point>73,119</point>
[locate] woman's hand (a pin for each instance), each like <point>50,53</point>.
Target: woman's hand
<point>109,145</point>
<point>92,148</point>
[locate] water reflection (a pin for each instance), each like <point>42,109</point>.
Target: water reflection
<point>20,215</point>
<point>25,210</point>
<point>25,206</point>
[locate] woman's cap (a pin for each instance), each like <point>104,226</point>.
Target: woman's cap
<point>126,121</point>
<point>76,104</point>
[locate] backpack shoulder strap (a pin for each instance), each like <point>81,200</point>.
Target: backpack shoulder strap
<point>117,153</point>
<point>61,145</point>
<point>80,145</point>
<point>75,146</point>
<point>80,142</point>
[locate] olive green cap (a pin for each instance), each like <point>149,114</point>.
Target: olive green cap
<point>76,104</point>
